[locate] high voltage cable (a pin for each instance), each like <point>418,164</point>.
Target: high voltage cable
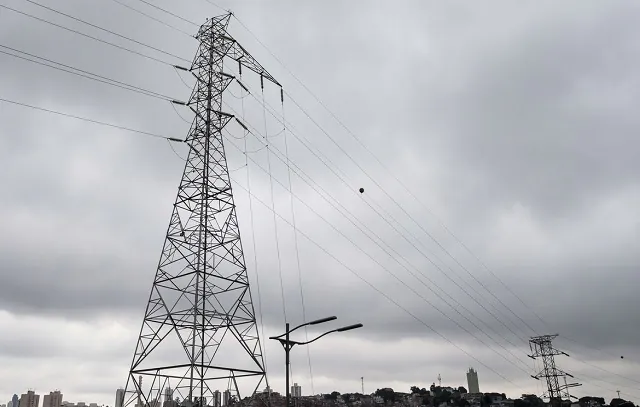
<point>403,210</point>
<point>395,177</point>
<point>295,240</point>
<point>402,281</point>
<point>253,242</point>
<point>106,30</point>
<point>372,286</point>
<point>87,36</point>
<point>168,12</point>
<point>85,74</point>
<point>596,348</point>
<point>165,97</point>
<point>581,377</point>
<point>275,222</point>
<point>413,196</point>
<point>383,217</point>
<point>153,18</point>
<point>421,252</point>
<point>398,255</point>
<point>395,257</point>
<point>92,120</point>
<point>605,370</point>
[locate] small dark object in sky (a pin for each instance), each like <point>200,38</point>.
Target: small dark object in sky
<point>361,190</point>
<point>621,357</point>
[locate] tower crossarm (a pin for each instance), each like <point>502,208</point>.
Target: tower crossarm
<point>233,49</point>
<point>239,54</point>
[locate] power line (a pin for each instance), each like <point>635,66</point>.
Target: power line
<point>215,5</point>
<point>379,291</point>
<point>398,204</point>
<point>397,278</point>
<point>295,240</point>
<point>87,35</point>
<point>420,251</point>
<point>106,30</point>
<point>92,120</point>
<point>394,257</point>
<point>169,12</point>
<point>275,221</point>
<point>152,18</point>
<point>380,162</point>
<point>85,74</point>
<point>386,219</point>
<point>466,248</point>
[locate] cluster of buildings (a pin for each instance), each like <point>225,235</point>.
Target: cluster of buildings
<point>219,399</point>
<point>53,399</point>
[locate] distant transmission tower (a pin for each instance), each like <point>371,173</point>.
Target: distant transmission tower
<point>541,347</point>
<point>199,332</point>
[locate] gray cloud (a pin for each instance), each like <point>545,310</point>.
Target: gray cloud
<point>518,133</point>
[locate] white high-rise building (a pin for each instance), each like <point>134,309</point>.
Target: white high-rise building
<point>119,397</point>
<point>472,381</point>
<point>30,399</point>
<point>296,391</point>
<point>217,399</point>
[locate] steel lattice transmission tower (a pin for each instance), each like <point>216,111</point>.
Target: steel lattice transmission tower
<point>199,333</point>
<point>542,347</point>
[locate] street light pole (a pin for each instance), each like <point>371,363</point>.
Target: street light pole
<point>287,344</point>
<point>287,348</point>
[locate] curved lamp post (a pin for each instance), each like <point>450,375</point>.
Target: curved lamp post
<point>287,344</point>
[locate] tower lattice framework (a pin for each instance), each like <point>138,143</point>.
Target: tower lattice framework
<point>542,347</point>
<point>199,337</point>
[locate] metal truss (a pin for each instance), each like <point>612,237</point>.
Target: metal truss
<point>199,333</point>
<point>542,347</point>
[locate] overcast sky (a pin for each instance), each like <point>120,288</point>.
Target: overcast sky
<point>514,125</point>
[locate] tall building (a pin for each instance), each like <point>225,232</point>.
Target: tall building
<point>119,397</point>
<point>168,398</point>
<point>53,399</point>
<point>30,399</point>
<point>168,394</point>
<point>15,401</point>
<point>226,397</point>
<point>472,381</point>
<point>296,391</point>
<point>217,400</point>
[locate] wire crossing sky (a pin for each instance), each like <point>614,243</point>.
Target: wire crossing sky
<point>497,161</point>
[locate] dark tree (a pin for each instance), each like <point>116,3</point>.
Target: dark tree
<point>462,390</point>
<point>442,396</point>
<point>388,395</point>
<point>533,400</point>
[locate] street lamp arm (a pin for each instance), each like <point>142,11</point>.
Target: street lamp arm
<point>315,322</point>
<point>315,339</point>
<point>346,328</point>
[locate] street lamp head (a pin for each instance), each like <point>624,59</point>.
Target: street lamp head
<point>322,320</point>
<point>348,328</point>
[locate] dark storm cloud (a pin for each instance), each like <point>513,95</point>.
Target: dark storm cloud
<point>478,113</point>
